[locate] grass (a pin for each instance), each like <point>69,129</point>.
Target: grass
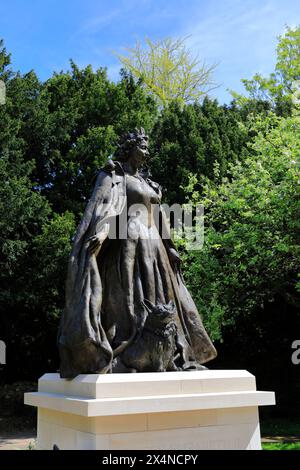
<point>31,446</point>
<point>285,433</point>
<point>281,445</point>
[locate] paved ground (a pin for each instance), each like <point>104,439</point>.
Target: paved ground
<point>288,439</point>
<point>21,441</point>
<point>26,440</point>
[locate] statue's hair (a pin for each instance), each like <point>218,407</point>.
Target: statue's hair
<point>128,141</point>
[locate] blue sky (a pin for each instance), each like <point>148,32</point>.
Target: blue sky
<point>240,35</point>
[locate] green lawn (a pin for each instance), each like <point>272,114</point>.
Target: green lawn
<point>281,445</point>
<point>286,433</point>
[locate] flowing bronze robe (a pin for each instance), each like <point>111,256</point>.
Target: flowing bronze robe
<point>102,314</point>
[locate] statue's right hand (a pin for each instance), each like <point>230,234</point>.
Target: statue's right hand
<point>96,240</point>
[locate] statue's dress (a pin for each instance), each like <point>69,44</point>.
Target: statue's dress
<point>105,291</point>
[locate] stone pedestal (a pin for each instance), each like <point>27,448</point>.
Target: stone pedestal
<point>211,409</point>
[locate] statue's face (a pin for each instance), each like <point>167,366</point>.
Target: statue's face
<point>140,152</point>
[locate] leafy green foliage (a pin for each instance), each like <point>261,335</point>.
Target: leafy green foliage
<point>50,250</point>
<point>281,445</point>
<point>282,87</point>
<point>169,71</point>
<point>70,124</point>
<point>54,137</point>
<point>193,139</point>
<point>241,161</point>
<point>252,252</point>
<point>280,427</point>
<point>22,212</point>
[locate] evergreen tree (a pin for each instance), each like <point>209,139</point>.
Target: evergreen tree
<point>54,137</point>
<point>194,138</point>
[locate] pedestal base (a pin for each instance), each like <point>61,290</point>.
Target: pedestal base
<point>173,410</point>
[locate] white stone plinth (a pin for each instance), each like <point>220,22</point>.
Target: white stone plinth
<point>210,409</point>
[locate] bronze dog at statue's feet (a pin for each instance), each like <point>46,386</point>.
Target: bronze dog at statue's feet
<point>155,349</point>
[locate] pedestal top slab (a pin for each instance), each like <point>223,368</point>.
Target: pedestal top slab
<point>151,404</point>
<point>148,384</point>
<point>123,394</point>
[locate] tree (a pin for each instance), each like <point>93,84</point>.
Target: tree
<point>251,254</point>
<point>5,60</point>
<point>193,138</point>
<point>169,71</point>
<point>281,88</point>
<point>54,137</point>
<point>72,126</point>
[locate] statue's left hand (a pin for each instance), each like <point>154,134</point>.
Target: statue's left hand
<point>96,240</point>
<point>174,257</point>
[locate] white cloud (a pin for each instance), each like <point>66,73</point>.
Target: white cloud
<point>240,35</point>
<point>96,23</point>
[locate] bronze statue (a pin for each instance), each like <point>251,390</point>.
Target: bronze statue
<point>127,307</point>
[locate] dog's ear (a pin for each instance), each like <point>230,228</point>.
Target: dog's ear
<point>148,305</point>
